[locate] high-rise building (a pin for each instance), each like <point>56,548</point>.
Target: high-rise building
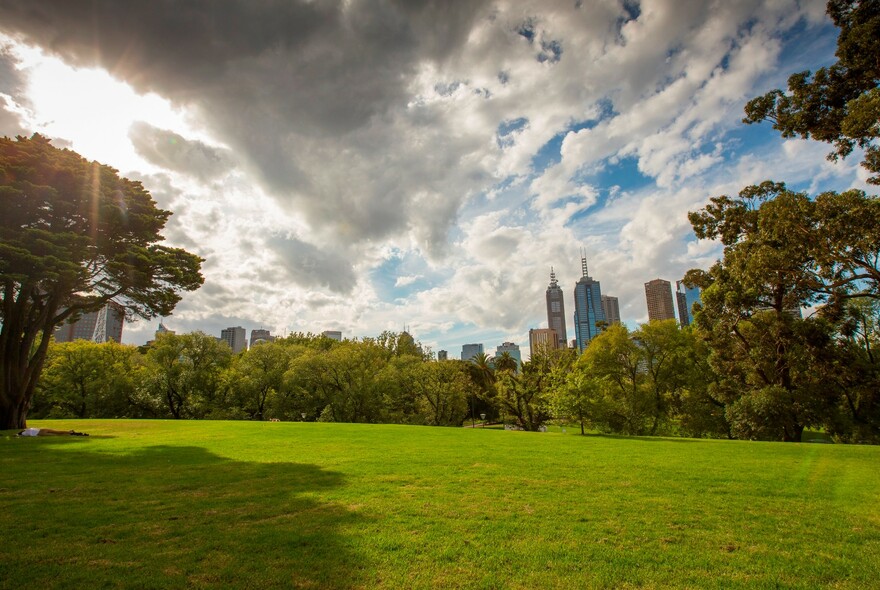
<point>587,307</point>
<point>469,351</point>
<point>109,327</point>
<point>684,318</point>
<point>659,296</point>
<point>691,295</point>
<point>611,308</point>
<point>542,339</point>
<point>333,335</point>
<point>442,355</point>
<point>513,350</point>
<point>556,310</point>
<point>235,337</point>
<point>261,335</point>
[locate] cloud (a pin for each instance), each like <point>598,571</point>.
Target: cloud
<point>13,102</point>
<point>171,151</point>
<point>309,266</point>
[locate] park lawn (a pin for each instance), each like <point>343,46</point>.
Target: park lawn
<point>167,504</point>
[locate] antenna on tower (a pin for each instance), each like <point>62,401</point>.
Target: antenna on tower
<point>584,262</point>
<point>553,282</point>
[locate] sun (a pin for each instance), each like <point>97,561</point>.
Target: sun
<point>90,109</point>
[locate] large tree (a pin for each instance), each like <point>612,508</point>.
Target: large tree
<point>838,104</point>
<point>74,235</point>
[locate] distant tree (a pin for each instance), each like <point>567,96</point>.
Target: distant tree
<point>527,396</point>
<point>506,362</point>
<point>257,375</point>
<point>73,236</point>
<point>441,391</point>
<point>839,104</point>
<point>183,373</point>
<point>345,383</point>
<point>83,379</point>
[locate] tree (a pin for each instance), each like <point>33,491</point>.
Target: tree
<point>73,236</point>
<point>751,311</point>
<point>839,104</point>
<point>612,372</point>
<point>83,379</point>
<point>526,396</point>
<point>258,374</point>
<point>183,373</point>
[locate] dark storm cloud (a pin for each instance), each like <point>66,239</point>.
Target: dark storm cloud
<point>309,266</point>
<point>287,85</point>
<point>169,150</point>
<point>12,84</point>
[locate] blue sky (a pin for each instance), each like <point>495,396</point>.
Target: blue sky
<point>363,166</point>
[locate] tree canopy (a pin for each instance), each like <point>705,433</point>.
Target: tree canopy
<point>838,104</point>
<point>74,235</point>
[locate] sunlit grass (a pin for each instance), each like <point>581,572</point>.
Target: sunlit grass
<point>173,504</point>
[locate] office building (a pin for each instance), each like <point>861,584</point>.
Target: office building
<point>684,318</point>
<point>611,308</point>
<point>542,339</point>
<point>469,351</point>
<point>659,296</point>
<point>260,335</point>
<point>556,310</point>
<point>333,335</point>
<point>691,295</point>
<point>235,337</point>
<point>98,326</point>
<point>442,355</point>
<point>588,310</point>
<point>513,350</point>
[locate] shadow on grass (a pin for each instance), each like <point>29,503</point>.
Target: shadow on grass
<point>168,517</point>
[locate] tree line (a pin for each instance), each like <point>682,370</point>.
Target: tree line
<point>660,379</point>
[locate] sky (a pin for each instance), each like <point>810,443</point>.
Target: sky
<point>370,165</point>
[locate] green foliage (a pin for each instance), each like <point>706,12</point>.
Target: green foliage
<point>183,375</point>
<point>73,236</point>
<point>784,252</point>
<point>83,379</point>
<point>839,104</point>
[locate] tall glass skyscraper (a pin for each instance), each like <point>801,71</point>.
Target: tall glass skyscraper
<point>556,310</point>
<point>587,307</point>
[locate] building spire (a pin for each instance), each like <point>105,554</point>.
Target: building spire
<point>553,282</point>
<point>584,263</point>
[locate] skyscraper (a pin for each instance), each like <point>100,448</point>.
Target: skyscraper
<point>542,339</point>
<point>469,351</point>
<point>611,307</point>
<point>556,310</point>
<point>512,349</point>
<point>691,295</point>
<point>261,335</point>
<point>235,337</point>
<point>684,318</point>
<point>84,327</point>
<point>659,296</point>
<point>587,307</point>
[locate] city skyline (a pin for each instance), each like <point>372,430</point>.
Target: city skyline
<point>482,143</point>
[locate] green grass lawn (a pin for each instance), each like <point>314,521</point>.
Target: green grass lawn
<point>163,504</point>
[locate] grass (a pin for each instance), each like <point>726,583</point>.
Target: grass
<point>163,504</point>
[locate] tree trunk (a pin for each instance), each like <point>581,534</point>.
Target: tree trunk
<point>13,416</point>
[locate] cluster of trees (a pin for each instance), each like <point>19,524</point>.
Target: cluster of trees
<point>661,379</point>
<point>302,377</point>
